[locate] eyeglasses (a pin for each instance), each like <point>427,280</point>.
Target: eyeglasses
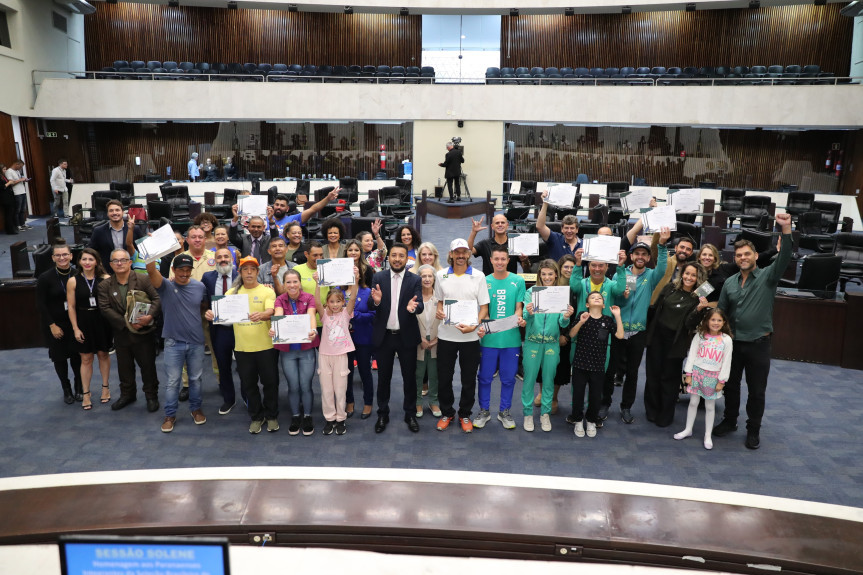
<point>62,255</point>
<point>121,261</point>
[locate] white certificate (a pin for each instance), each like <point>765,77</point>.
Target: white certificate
<point>159,243</point>
<point>686,201</point>
<point>461,312</point>
<point>527,244</point>
<point>602,249</point>
<point>498,325</point>
<point>705,290</point>
<point>636,199</point>
<point>336,272</point>
<point>230,309</point>
<point>562,196</point>
<point>291,328</point>
<point>554,299</point>
<point>252,206</point>
<point>660,217</point>
<point>631,283</point>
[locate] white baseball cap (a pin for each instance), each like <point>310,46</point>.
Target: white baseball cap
<point>458,243</point>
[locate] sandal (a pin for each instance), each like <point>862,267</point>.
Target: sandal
<point>106,399</point>
<point>87,406</point>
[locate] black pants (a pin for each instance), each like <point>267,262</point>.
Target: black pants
<point>222,338</point>
<point>449,182</point>
<point>663,383</point>
<point>468,362</point>
<point>141,350</point>
<point>593,381</point>
<point>62,369</point>
<point>260,365</point>
<point>754,358</point>
<point>386,355</point>
<point>10,216</point>
<point>627,353</point>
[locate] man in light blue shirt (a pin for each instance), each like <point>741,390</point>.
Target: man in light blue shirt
<point>194,171</point>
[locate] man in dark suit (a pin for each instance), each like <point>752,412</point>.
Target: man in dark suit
<point>218,282</point>
<point>256,243</point>
<point>452,169</point>
<point>112,236</point>
<point>396,331</point>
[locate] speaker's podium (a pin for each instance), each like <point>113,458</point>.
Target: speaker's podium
<point>456,210</point>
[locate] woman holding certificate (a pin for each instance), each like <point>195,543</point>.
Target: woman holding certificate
<point>541,347</point>
<point>298,359</point>
<point>668,339</point>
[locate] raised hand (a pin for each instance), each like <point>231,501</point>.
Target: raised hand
<point>334,195</point>
<point>584,317</point>
<point>784,220</point>
<point>412,305</point>
<point>356,273</point>
<point>529,308</point>
<point>702,303</point>
<point>544,195</point>
<point>664,235</point>
<point>274,271</point>
<point>376,227</point>
<point>579,253</point>
<point>615,311</point>
<point>315,277</point>
<point>377,294</point>
<point>621,258</point>
<point>476,225</point>
<point>235,209</point>
<point>270,214</point>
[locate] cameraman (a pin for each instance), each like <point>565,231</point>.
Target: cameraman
<point>452,165</point>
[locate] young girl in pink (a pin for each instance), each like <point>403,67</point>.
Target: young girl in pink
<point>707,367</point>
<point>336,342</point>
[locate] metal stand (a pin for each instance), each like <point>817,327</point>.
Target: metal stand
<point>463,178</point>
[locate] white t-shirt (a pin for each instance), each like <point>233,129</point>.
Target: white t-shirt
<point>18,189</point>
<point>468,286</point>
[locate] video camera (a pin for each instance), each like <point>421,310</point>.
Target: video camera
<point>456,141</point>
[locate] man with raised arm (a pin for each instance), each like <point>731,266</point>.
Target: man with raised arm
<point>564,242</point>
<point>484,248</point>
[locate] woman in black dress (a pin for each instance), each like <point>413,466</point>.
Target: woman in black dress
<point>678,310</point>
<point>51,299</point>
<point>92,331</point>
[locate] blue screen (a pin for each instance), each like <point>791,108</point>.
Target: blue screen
<point>143,559</point>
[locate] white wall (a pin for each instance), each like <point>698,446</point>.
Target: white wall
<point>857,48</point>
<point>483,159</point>
<point>36,45</point>
<point>791,106</point>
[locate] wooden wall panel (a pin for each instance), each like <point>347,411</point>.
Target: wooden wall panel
<point>800,34</point>
<point>38,168</point>
<point>127,31</point>
<point>753,159</point>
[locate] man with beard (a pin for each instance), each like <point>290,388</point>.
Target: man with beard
<point>218,282</point>
<point>747,297</point>
<point>463,283</point>
<point>641,282</point>
<point>683,251</point>
<point>397,299</point>
<point>112,236</point>
<point>564,242</point>
<point>277,214</point>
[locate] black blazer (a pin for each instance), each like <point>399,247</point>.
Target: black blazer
<point>209,280</point>
<point>101,241</point>
<point>452,163</point>
<point>411,286</point>
<point>243,241</point>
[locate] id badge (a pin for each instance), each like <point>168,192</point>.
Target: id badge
<point>92,301</point>
<point>66,305</point>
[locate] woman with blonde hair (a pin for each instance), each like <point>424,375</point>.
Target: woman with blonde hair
<point>427,254</point>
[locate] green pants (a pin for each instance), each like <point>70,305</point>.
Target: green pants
<point>430,364</point>
<point>534,357</point>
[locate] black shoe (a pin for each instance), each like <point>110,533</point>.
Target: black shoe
<point>365,415</point>
<point>294,429</point>
<point>227,407</point>
<point>79,396</point>
<point>725,427</point>
<point>381,423</point>
<point>618,382</point>
<point>349,414</point>
<point>341,428</point>
<point>123,402</point>
<point>570,419</point>
<point>152,404</point>
<point>329,428</point>
<point>412,422</point>
<point>603,412</point>
<point>184,394</point>
<point>308,425</point>
<point>68,398</point>
<point>753,441</point>
<point>626,415</point>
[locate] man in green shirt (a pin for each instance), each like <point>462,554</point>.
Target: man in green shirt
<point>499,351</point>
<point>747,299</point>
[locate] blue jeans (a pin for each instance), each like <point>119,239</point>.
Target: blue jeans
<point>494,359</point>
<point>299,369</point>
<point>176,354</point>
<point>363,355</point>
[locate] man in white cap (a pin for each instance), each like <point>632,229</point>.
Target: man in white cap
<point>459,282</point>
<point>194,170</point>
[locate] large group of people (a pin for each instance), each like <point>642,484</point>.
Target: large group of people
<point>697,341</point>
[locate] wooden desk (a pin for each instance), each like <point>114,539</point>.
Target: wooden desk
<point>809,330</point>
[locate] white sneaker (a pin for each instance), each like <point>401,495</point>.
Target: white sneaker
<point>481,419</point>
<point>528,423</point>
<point>545,422</point>
<point>591,429</point>
<point>579,428</point>
<point>708,442</point>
